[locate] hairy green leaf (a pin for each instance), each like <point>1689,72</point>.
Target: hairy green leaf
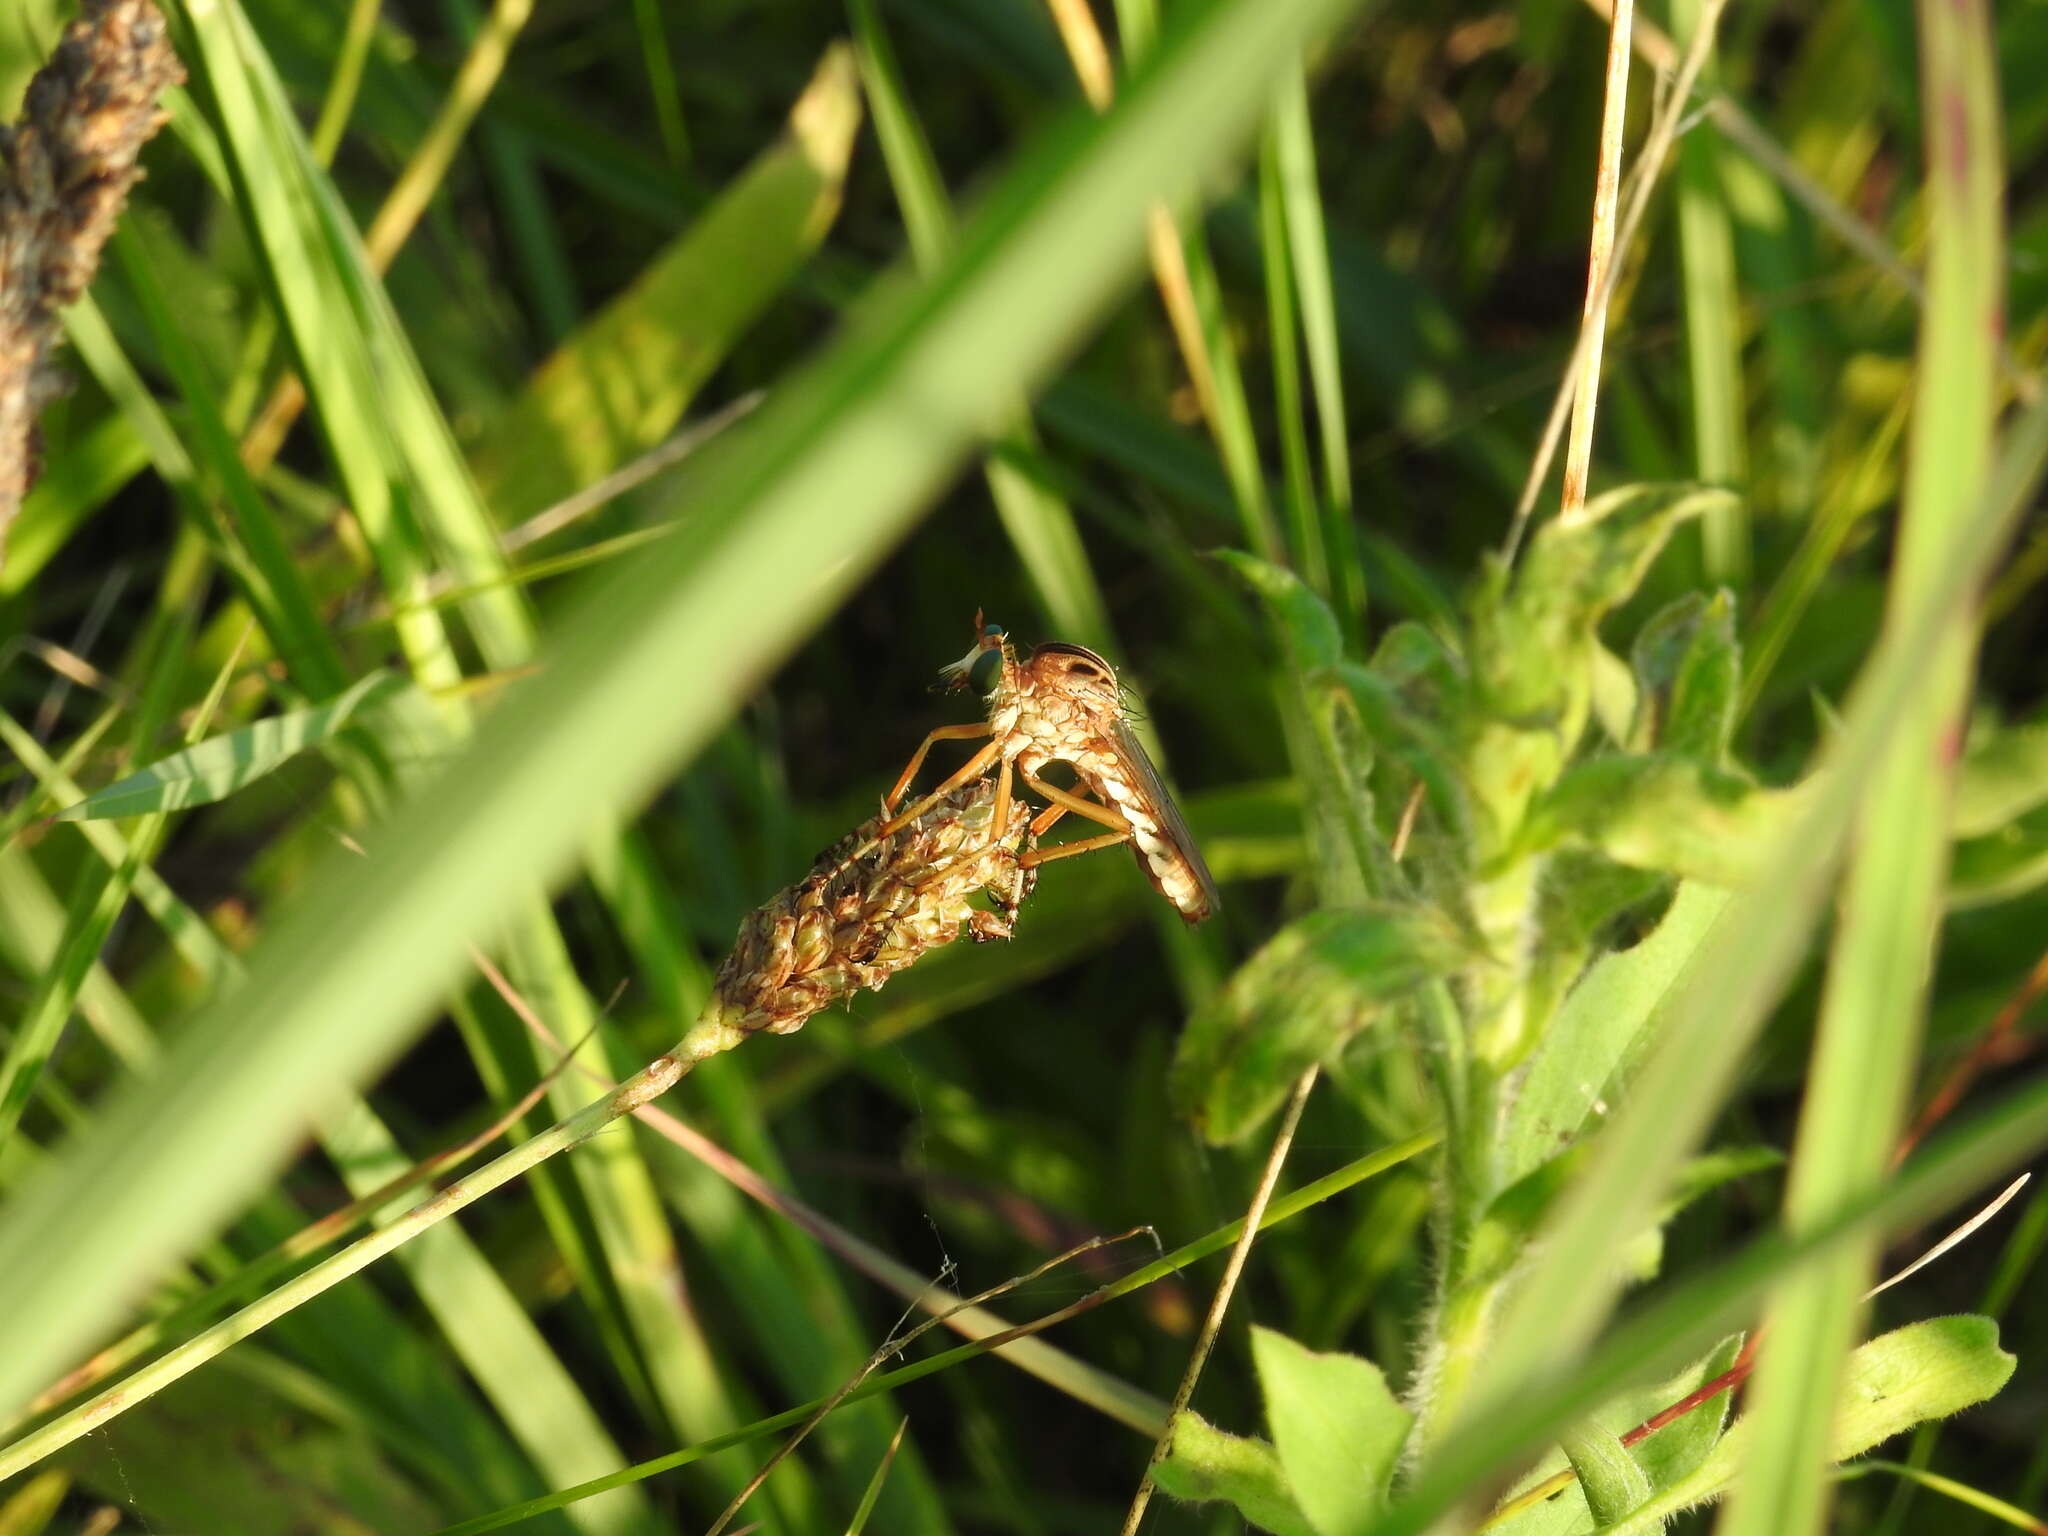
<point>1678,815</point>
<point>1669,1454</point>
<point>1610,1479</point>
<point>1312,987</point>
<point>1688,670</point>
<point>1599,1027</point>
<point>1924,1371</point>
<point>1204,1463</point>
<point>1530,635</point>
<point>1337,1427</point>
<point>1307,627</point>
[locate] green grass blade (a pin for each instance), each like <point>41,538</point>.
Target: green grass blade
<point>785,519</point>
<point>1304,515</point>
<point>1713,329</point>
<point>215,769</point>
<point>1308,246</point>
<point>1881,960</point>
<point>620,383</point>
<point>1035,516</point>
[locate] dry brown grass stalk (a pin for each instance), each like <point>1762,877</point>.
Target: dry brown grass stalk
<point>65,171</point>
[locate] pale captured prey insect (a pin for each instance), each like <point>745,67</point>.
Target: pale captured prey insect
<point>1062,704</point>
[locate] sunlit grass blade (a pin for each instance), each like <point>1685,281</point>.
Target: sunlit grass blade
<point>1037,519</point>
<point>214,769</point>
<point>1882,957</point>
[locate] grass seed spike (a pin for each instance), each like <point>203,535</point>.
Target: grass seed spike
<point>1062,704</point>
<point>874,903</point>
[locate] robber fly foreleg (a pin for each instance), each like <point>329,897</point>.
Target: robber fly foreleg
<point>944,733</point>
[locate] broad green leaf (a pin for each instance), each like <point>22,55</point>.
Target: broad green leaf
<point>1530,635</point>
<point>1204,1464</point>
<point>1308,990</point>
<point>1688,670</point>
<point>1676,815</point>
<point>1307,627</point>
<point>1912,1375</point>
<point>620,383</point>
<point>2004,775</point>
<point>216,768</point>
<point>1609,1478</point>
<point>1599,1029</point>
<point>1617,697</point>
<point>2000,865</point>
<point>1671,1453</point>
<point>1337,1427</point>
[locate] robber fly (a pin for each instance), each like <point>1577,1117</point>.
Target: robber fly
<point>1062,704</point>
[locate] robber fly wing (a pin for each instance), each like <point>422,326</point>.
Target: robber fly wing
<point>1145,779</point>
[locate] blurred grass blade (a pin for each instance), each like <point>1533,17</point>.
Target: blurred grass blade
<point>1713,326</point>
<point>791,512</point>
<point>215,769</point>
<point>619,384</point>
<point>1598,1030</point>
<point>80,479</point>
<point>1035,516</point>
<point>859,1522</point>
<point>1881,959</point>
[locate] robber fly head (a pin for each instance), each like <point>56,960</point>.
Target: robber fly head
<point>982,667</point>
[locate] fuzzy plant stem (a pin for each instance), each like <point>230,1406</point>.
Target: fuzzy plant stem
<point>712,1035</point>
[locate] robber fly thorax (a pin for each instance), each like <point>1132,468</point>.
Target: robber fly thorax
<point>1062,703</point>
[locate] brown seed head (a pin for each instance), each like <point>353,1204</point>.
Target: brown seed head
<point>65,171</point>
<point>855,922</point>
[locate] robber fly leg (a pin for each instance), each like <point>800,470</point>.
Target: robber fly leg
<point>1067,800</point>
<point>1038,856</point>
<point>943,733</point>
<point>966,773</point>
